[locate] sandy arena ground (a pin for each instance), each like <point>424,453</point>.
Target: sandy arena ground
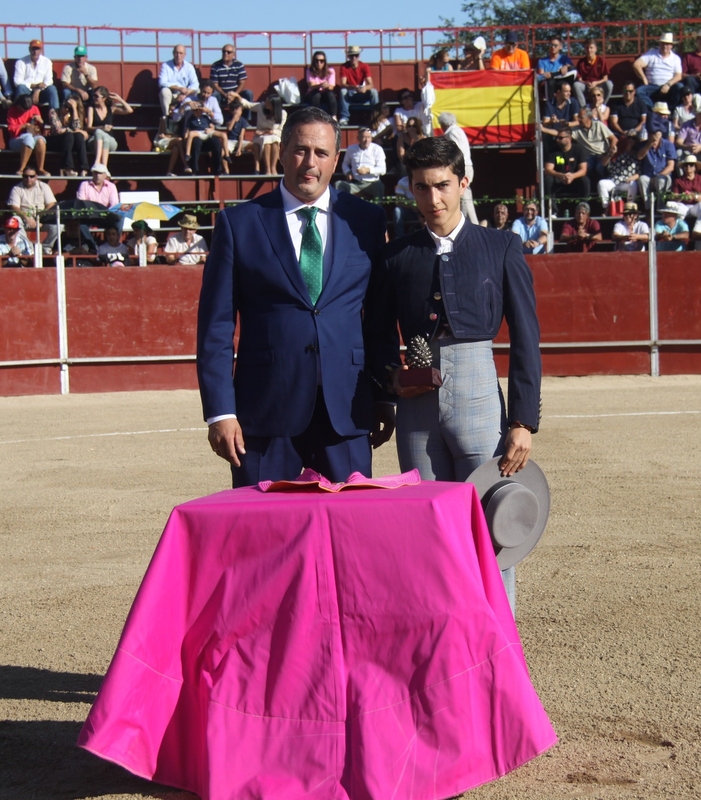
<point>608,604</point>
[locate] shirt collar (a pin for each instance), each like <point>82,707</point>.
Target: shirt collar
<point>292,204</point>
<point>452,236</point>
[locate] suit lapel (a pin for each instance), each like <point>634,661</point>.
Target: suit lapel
<point>340,244</point>
<point>275,226</point>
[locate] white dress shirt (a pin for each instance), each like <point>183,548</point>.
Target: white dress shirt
<point>372,157</point>
<point>445,244</point>
<point>28,74</point>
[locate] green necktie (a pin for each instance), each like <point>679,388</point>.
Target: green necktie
<point>311,254</point>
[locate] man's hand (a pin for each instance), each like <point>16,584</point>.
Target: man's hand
<point>517,451</point>
<point>226,439</point>
<point>384,424</point>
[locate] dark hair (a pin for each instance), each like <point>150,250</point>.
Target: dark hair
<point>24,101</point>
<point>274,113</point>
<point>435,152</point>
<point>555,38</point>
<point>234,104</point>
<point>375,116</point>
<point>404,91</point>
<point>206,83</point>
<point>310,116</point>
<point>435,56</point>
<point>111,226</point>
<point>323,72</point>
<point>103,90</point>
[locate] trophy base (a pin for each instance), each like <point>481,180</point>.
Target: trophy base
<point>420,376</point>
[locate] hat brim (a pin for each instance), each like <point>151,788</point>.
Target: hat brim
<point>488,475</point>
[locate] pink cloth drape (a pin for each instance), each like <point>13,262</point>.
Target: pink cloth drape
<point>323,645</point>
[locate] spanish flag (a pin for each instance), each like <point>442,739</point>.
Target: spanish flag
<point>491,106</point>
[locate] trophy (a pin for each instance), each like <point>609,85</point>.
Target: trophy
<point>419,360</point>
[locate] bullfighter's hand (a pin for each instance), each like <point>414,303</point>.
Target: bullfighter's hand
<point>226,439</point>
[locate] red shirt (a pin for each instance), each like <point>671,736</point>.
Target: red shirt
<point>691,63</point>
<point>17,119</point>
<point>592,72</point>
<point>355,76</point>
<point>592,227</point>
<point>685,186</point>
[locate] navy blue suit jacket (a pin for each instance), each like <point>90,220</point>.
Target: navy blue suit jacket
<point>484,280</point>
<point>252,269</point>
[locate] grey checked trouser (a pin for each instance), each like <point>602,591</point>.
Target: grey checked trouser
<point>447,433</point>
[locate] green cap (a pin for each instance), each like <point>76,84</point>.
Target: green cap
<point>80,51</point>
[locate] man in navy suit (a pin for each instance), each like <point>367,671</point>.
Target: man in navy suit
<point>451,284</point>
<point>300,395</point>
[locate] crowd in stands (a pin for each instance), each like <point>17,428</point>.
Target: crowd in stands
<point>596,144</point>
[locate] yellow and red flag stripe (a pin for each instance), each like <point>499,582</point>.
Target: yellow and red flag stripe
<point>491,106</point>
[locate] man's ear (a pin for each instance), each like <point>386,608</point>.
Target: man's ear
<point>464,183</point>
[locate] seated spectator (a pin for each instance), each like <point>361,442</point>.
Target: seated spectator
<point>76,240</point>
<point>229,75</point>
<point>592,73</point>
<point>235,133</point>
<point>5,88</point>
<point>500,219</point>
<point>67,136</point>
<point>583,232</point>
<point>16,250</point>
<point>691,67</point>
<point>205,97</point>
<point>408,108</point>
<point>451,130</point>
<point>689,137</point>
<point>79,78</point>
<point>555,68</point>
<point>356,84</point>
<point>628,117</point>
<point>405,212</point>
<point>532,229</point>
<point>186,247</point>
<point>176,80</point>
<point>30,197</point>
<point>687,189</point>
<point>113,252</point>
<point>380,123</point>
<point>671,232</point>
<point>99,122</point>
<point>562,112</point>
<point>363,166</point>
<point>473,55</point>
<point>440,61</point>
<point>99,189</point>
<point>25,126</point>
<point>657,156</point>
<point>199,126</point>
<point>630,233</point>
<point>621,173</point>
<point>142,236</point>
<point>510,56</point>
<point>321,82</point>
<point>411,134</point>
<point>595,140</point>
<point>660,71</point>
<point>270,120</point>
<point>599,109</point>
<point>658,120</point>
<point>34,76</point>
<point>169,139</point>
<point>685,110</point>
<point>565,169</point>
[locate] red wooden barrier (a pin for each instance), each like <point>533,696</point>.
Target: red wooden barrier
<point>136,312</point>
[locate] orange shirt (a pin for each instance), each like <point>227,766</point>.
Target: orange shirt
<point>501,59</point>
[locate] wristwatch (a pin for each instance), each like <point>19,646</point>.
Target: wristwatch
<point>517,424</point>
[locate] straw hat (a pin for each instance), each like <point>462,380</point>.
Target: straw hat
<point>188,221</point>
<point>516,508</point>
<point>673,208</point>
<point>666,38</point>
<point>661,108</point>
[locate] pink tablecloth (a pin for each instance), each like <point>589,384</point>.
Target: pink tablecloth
<point>330,646</point>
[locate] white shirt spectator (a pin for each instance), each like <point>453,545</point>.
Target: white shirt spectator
<point>621,229</point>
<point>26,249</point>
<point>660,70</point>
<point>404,114</point>
<point>190,253</point>
<point>31,199</point>
<point>28,74</point>
<point>185,75</point>
<point>373,157</point>
<point>456,134</point>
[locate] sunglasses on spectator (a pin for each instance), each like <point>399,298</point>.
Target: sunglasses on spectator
<point>630,213</point>
<point>353,55</point>
<point>228,52</point>
<point>407,97</point>
<point>629,91</point>
<point>320,60</point>
<point>29,175</point>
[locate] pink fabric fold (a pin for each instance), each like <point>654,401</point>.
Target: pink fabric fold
<point>309,478</point>
<point>334,645</point>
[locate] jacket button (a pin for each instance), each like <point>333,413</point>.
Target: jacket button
<point>437,296</point>
<point>444,258</point>
<point>433,317</point>
<point>317,312</point>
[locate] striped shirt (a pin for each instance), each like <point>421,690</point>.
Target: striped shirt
<point>228,76</point>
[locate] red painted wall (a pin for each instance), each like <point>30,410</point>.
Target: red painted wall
<point>152,311</point>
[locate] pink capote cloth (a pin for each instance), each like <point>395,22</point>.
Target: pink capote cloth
<point>327,645</point>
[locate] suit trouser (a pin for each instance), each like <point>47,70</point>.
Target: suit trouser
<point>447,433</point>
<point>282,458</point>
